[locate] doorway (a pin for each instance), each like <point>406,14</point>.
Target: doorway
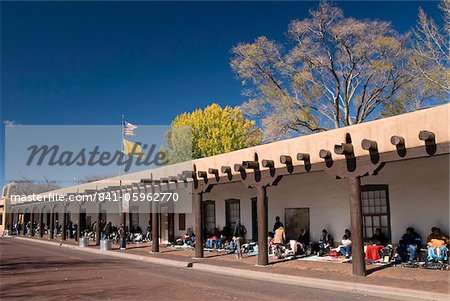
<point>295,220</point>
<point>166,225</point>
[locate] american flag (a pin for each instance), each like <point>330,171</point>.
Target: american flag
<point>128,128</point>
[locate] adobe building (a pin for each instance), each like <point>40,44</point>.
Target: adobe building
<point>390,173</point>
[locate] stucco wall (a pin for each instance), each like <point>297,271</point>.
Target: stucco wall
<point>418,193</point>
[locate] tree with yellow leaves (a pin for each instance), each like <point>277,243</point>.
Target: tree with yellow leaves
<point>208,132</point>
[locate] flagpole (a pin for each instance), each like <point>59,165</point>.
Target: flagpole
<point>123,138</point>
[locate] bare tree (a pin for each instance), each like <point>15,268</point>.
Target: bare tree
<point>334,72</point>
<point>430,60</point>
<point>92,178</point>
<point>26,186</point>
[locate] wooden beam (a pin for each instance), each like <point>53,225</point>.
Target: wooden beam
<point>358,260</point>
<point>323,153</point>
<point>52,223</point>
<point>239,168</point>
<point>31,222</point>
<point>41,222</point>
<point>198,224</point>
<point>369,145</point>
<point>268,163</point>
<point>250,165</point>
<point>284,159</point>
<point>427,136</point>
<point>397,140</point>
<point>155,227</point>
<point>98,230</point>
<point>344,149</point>
<point>24,224</point>
<point>78,231</point>
<point>64,223</point>
<point>261,211</point>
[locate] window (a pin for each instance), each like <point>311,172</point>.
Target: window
<point>232,212</point>
<point>1,219</point>
<point>375,210</point>
<point>181,221</point>
<point>209,215</point>
<point>134,217</point>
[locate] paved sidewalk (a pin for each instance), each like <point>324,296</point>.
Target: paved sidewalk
<point>393,282</point>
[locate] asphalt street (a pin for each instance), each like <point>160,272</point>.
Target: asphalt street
<point>33,271</point>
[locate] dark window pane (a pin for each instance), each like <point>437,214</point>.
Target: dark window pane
<point>182,221</point>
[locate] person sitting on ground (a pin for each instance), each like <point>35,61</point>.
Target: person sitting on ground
<point>148,235</point>
<point>378,238</point>
<point>346,246</point>
<point>226,233</point>
<point>348,233</point>
<point>409,243</point>
<point>325,242</point>
<point>280,236</point>
<point>270,236</point>
<point>17,228</point>
<point>218,238</point>
<point>302,242</point>
<point>437,245</point>
<point>211,241</point>
<point>277,224</point>
<point>188,238</point>
<point>69,228</point>
<point>223,238</point>
<point>132,231</point>
<point>102,227</point>
<point>278,241</point>
<point>205,233</point>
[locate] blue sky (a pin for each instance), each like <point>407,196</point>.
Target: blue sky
<point>88,62</point>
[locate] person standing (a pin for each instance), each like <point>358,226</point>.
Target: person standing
<point>239,237</point>
<point>277,224</point>
<point>123,237</point>
<point>107,230</point>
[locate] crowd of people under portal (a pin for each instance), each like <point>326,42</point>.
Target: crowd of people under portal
<point>234,241</point>
<point>376,247</point>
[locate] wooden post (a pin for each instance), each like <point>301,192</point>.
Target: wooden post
<point>31,222</point>
<point>198,230</point>
<point>155,228</point>
<point>358,260</point>
<point>98,230</point>
<point>52,223</point>
<point>263,257</point>
<point>24,223</point>
<point>9,217</point>
<point>78,232</point>
<point>64,224</point>
<point>41,222</point>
